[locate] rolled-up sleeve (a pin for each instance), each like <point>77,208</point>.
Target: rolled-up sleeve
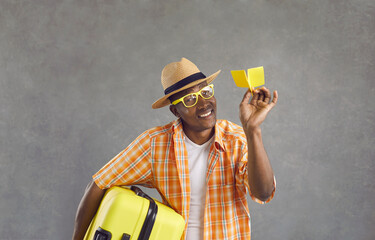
<point>131,166</point>
<point>242,179</point>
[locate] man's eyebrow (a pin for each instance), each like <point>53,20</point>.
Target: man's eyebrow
<point>190,90</point>
<point>184,92</point>
<point>200,86</point>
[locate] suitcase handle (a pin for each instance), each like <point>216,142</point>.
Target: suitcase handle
<point>102,234</point>
<point>151,214</point>
<point>140,193</point>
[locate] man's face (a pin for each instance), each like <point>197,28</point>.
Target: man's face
<point>200,117</point>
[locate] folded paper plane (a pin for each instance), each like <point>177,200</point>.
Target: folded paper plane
<point>254,78</point>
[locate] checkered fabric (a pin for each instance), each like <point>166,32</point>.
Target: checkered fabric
<point>158,158</point>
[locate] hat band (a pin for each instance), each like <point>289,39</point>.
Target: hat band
<point>184,82</point>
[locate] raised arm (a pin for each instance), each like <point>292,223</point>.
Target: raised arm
<point>252,114</point>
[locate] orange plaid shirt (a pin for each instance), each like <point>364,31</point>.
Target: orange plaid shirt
<point>158,158</point>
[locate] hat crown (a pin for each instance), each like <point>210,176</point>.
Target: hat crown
<point>178,76</point>
<point>176,71</point>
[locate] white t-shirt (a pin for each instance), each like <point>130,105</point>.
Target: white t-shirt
<point>197,161</point>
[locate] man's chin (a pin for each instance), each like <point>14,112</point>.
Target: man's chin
<point>208,122</point>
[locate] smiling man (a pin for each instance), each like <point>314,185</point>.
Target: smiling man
<point>198,117</point>
<point>203,168</point>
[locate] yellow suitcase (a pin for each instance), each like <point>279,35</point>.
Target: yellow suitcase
<point>129,214</point>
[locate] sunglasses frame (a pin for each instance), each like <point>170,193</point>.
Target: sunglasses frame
<point>197,94</point>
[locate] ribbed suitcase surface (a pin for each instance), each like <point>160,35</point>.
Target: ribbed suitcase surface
<point>129,214</point>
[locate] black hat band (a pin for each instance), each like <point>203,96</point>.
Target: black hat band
<point>184,82</point>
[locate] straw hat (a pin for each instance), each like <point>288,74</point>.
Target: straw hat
<point>178,76</point>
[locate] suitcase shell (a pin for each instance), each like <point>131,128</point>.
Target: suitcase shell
<point>129,214</point>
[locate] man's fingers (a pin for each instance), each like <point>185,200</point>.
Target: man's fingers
<point>255,97</point>
<point>267,95</point>
<point>274,100</point>
<point>246,97</point>
<point>261,95</point>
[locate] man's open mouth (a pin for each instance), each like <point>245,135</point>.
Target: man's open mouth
<point>206,114</point>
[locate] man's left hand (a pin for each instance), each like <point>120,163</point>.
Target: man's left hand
<point>253,113</point>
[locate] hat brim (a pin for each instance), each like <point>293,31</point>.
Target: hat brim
<point>164,101</point>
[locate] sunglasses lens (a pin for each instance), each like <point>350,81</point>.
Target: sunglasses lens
<point>207,92</point>
<point>190,100</point>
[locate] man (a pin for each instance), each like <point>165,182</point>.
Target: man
<point>202,167</point>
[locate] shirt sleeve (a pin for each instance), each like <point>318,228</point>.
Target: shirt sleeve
<point>242,179</point>
<point>131,166</point>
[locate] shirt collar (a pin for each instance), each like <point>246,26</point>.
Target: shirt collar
<point>219,133</point>
<point>177,127</point>
<point>219,137</point>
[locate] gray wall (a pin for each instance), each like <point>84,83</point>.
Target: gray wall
<point>77,80</point>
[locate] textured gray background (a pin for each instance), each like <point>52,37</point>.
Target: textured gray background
<point>77,80</point>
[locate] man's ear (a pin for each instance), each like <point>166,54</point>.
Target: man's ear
<point>173,110</point>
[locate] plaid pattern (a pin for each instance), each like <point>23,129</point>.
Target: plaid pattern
<point>158,158</point>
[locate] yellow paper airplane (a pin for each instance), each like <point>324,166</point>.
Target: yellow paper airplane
<point>254,78</point>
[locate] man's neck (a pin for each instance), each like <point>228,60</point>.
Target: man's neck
<point>201,136</point>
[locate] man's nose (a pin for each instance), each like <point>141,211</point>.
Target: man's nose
<point>201,102</point>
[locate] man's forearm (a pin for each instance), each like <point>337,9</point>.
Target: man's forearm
<point>87,209</point>
<point>260,172</point>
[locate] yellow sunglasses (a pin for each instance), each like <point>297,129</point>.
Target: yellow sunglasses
<point>189,100</point>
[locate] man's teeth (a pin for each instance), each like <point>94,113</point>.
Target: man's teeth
<point>205,115</point>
